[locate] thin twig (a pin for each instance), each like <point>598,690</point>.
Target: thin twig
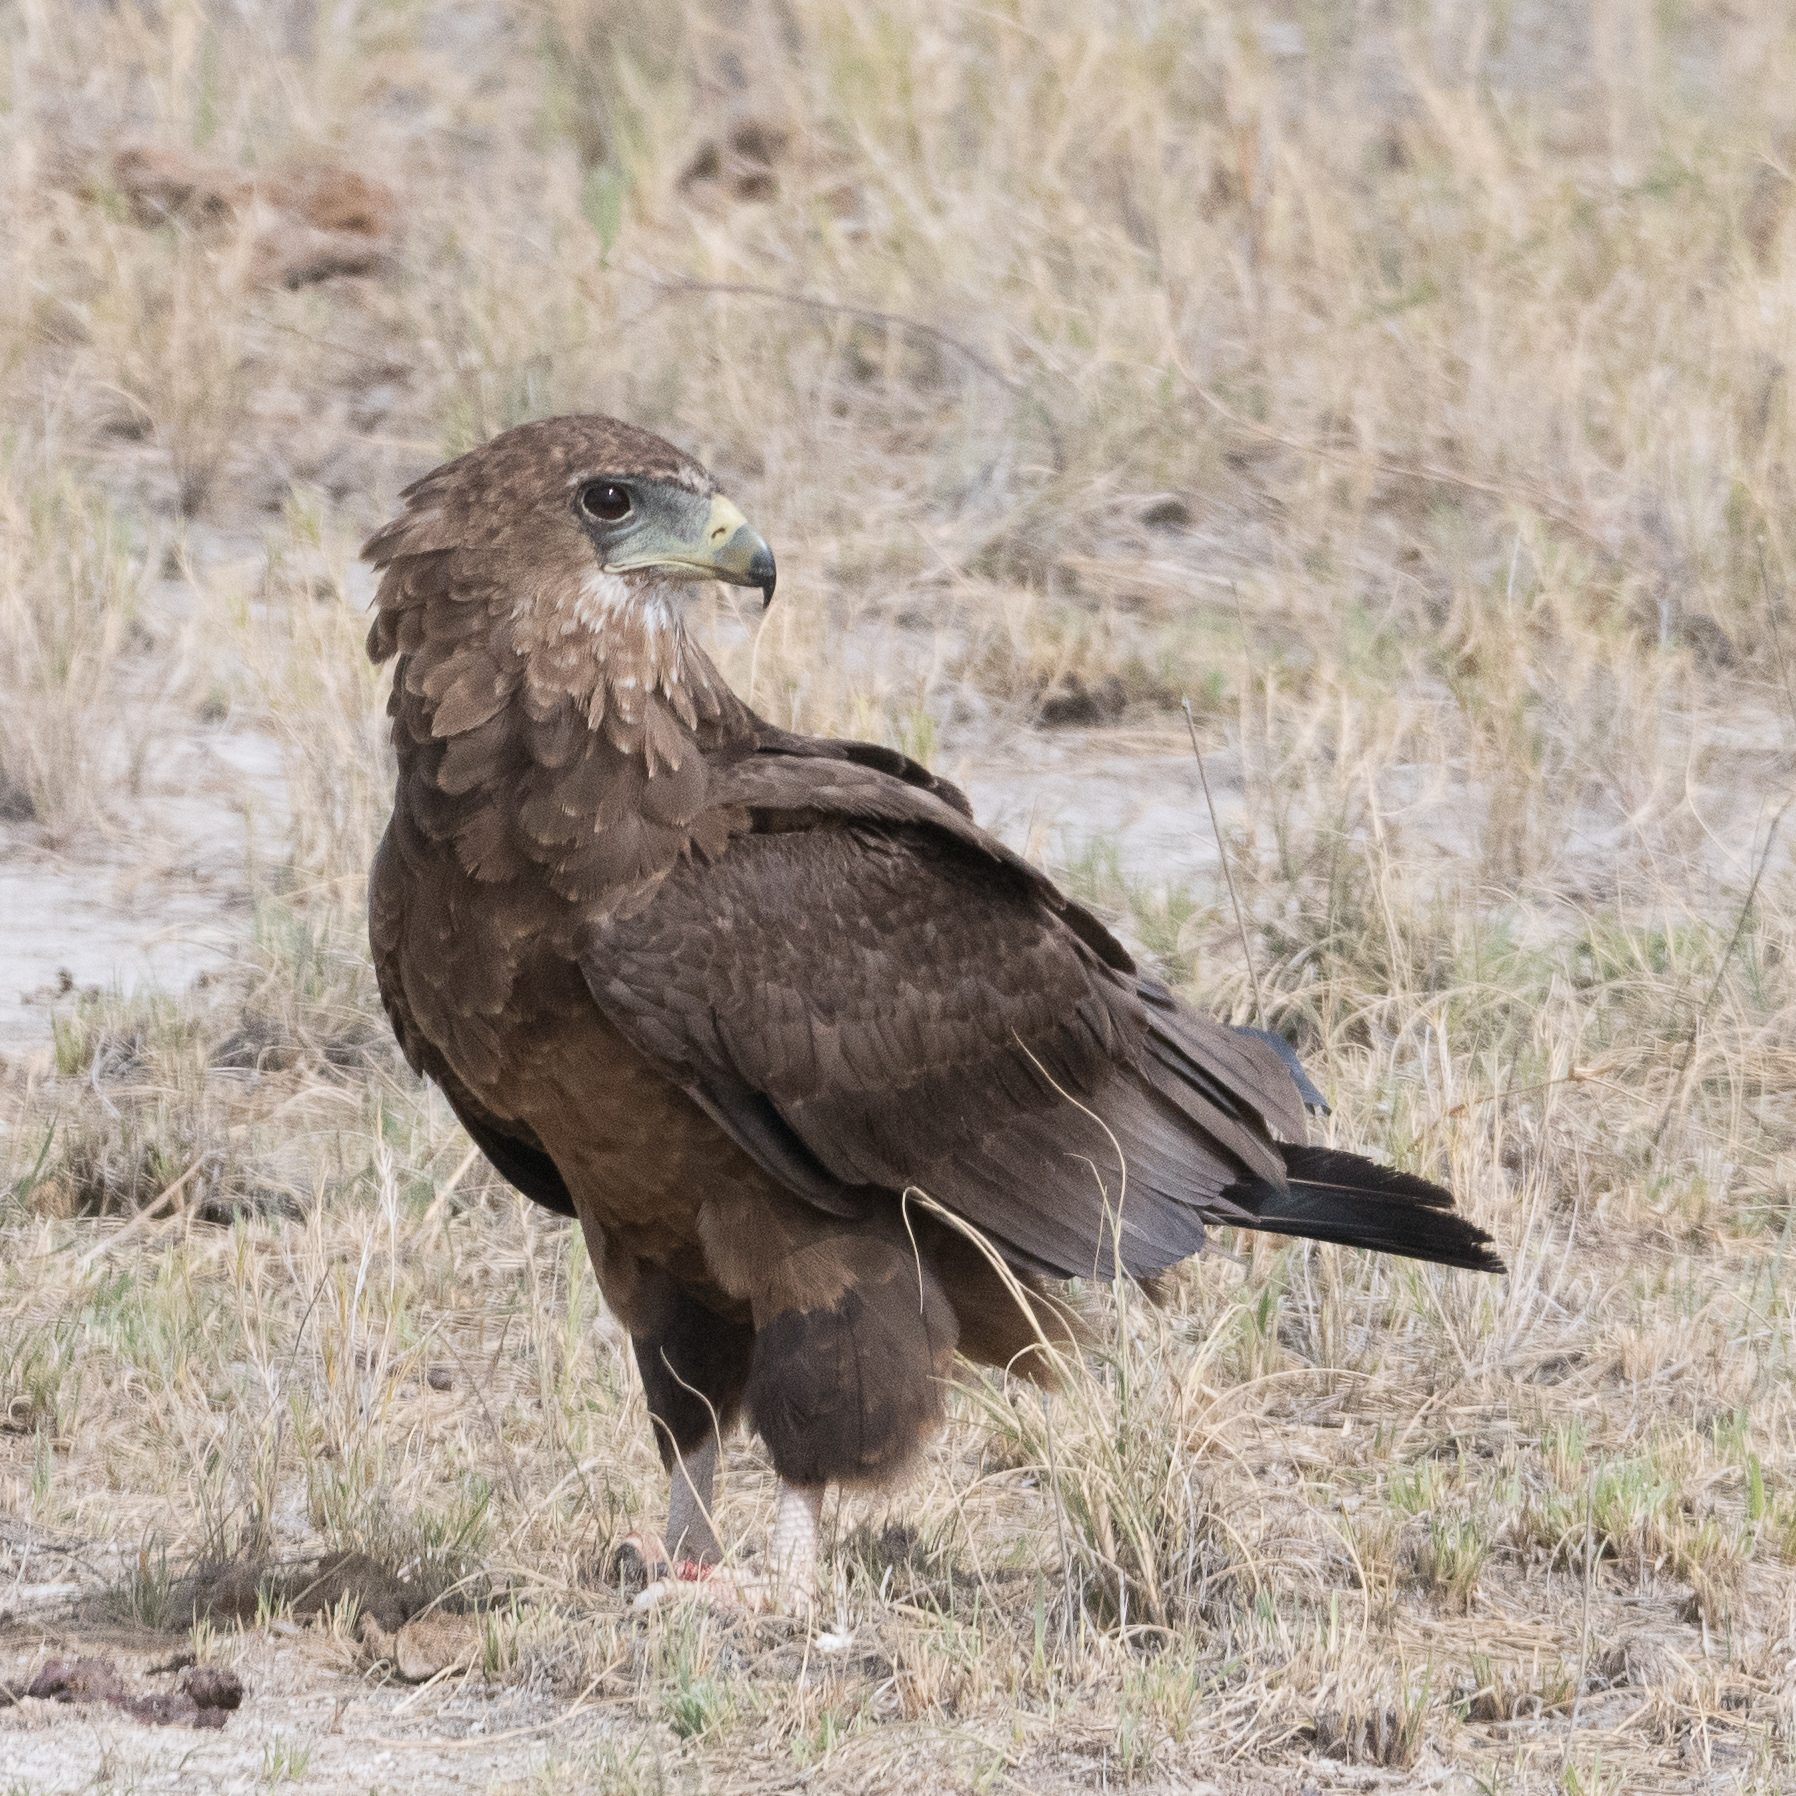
<point>868,314</point>
<point>141,1220</point>
<point>1708,1003</point>
<point>510,1464</point>
<point>447,1190</point>
<point>1402,470</point>
<point>1222,850</point>
<point>916,327</point>
<point>1068,1605</point>
<point>1584,1624</point>
<point>1579,1075</point>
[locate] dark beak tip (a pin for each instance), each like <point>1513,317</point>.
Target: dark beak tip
<point>762,573</point>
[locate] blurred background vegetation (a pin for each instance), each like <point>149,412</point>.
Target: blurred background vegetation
<point>1404,382</point>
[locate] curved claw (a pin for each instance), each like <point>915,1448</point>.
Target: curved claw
<point>639,1556</point>
<point>788,1584</point>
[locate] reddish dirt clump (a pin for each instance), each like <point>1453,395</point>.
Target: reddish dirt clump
<point>205,1698</point>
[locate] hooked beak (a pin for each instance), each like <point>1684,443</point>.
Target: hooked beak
<point>722,547</point>
<point>739,553</point>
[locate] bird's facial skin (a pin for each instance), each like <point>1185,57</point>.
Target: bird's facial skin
<point>635,524</point>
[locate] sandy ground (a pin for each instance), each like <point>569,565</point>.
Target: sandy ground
<point>355,1737</point>
<point>161,893</point>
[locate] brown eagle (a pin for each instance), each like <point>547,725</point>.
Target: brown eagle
<point>734,998</point>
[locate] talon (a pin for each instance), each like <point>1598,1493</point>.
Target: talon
<point>640,1556</point>
<point>786,1583</point>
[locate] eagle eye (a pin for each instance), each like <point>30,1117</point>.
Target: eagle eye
<point>604,501</point>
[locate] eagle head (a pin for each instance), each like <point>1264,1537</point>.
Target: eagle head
<point>550,716</point>
<point>672,526</point>
<point>576,536</point>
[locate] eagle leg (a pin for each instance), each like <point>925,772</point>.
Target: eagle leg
<point>689,1547</point>
<point>694,1363</point>
<point>792,1547</point>
<point>690,1535</point>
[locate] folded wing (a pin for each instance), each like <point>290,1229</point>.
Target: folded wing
<point>870,994</point>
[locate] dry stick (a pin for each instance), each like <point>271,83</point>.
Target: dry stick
<point>1579,1075</point>
<point>1584,1625</point>
<point>1066,1559</point>
<point>1708,1004</point>
<point>1222,850</point>
<point>511,1465</point>
<point>448,1188</point>
<point>1539,500</point>
<point>867,314</point>
<point>142,1218</point>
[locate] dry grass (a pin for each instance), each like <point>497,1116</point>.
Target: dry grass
<point>1410,391</point>
<point>68,592</point>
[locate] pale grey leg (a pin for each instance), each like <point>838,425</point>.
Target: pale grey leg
<point>792,1547</point>
<point>690,1536</point>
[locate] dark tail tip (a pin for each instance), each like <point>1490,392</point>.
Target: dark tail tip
<point>1340,1197</point>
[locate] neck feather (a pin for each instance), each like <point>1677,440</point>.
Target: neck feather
<point>617,645</point>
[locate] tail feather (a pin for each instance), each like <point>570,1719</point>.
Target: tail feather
<point>1335,1196</point>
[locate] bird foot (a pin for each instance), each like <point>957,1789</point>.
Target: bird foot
<point>643,1557</point>
<point>787,1585</point>
<point>747,1593</point>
